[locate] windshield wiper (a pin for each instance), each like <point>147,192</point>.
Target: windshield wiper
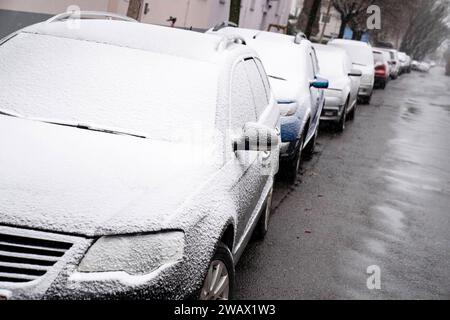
<point>277,78</point>
<point>9,113</point>
<point>359,64</point>
<point>92,128</point>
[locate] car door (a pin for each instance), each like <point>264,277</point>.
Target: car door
<point>315,94</point>
<point>250,179</point>
<point>354,81</point>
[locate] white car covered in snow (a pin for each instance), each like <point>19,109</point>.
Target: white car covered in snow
<point>362,58</point>
<point>341,97</point>
<point>136,161</point>
<point>291,64</point>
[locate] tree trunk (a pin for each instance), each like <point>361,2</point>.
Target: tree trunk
<point>357,35</point>
<point>235,11</point>
<point>134,9</point>
<point>315,9</point>
<point>342,28</point>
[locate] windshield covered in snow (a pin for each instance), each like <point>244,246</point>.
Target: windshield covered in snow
<point>284,63</point>
<point>361,55</point>
<point>331,64</point>
<point>106,86</point>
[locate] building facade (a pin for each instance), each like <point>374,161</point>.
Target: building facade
<point>196,14</point>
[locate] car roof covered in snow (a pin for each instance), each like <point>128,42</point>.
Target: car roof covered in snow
<point>152,38</point>
<point>329,49</point>
<point>253,35</point>
<point>349,42</point>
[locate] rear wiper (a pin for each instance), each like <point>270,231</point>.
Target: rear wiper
<point>92,128</point>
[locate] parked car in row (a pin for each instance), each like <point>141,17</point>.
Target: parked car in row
<point>362,59</point>
<point>92,203</point>
<point>294,76</point>
<point>405,63</point>
<point>382,68</point>
<point>420,66</point>
<point>394,62</point>
<point>341,97</point>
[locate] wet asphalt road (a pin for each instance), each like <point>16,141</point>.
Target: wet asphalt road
<point>379,194</point>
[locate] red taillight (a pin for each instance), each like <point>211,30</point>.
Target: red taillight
<point>380,70</point>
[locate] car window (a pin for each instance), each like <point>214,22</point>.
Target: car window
<point>358,53</point>
<point>257,85</point>
<point>316,65</point>
<point>310,68</point>
<point>242,108</point>
<point>264,78</point>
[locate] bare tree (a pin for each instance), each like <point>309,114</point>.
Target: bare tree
<point>308,20</point>
<point>134,8</point>
<point>428,30</point>
<point>349,10</point>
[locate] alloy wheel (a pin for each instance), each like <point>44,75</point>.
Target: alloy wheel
<point>217,282</point>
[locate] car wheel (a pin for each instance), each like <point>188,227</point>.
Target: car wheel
<point>219,281</point>
<point>309,149</point>
<point>351,115</point>
<point>293,166</point>
<point>263,223</point>
<point>340,126</point>
<point>383,85</point>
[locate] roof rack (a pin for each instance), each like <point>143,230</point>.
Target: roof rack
<point>299,37</point>
<point>226,41</point>
<point>225,24</point>
<point>89,15</point>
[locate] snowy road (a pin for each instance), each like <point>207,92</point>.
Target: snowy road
<point>377,195</point>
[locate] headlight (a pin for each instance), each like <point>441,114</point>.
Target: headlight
<point>140,254</point>
<point>287,108</point>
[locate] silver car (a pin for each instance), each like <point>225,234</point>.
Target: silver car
<point>140,160</point>
<point>341,97</point>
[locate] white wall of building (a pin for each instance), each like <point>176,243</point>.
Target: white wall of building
<point>189,13</point>
<point>203,14</point>
<point>259,14</point>
<point>52,6</point>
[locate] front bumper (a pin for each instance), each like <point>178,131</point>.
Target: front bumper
<point>365,90</point>
<point>290,133</point>
<point>178,280</point>
<point>332,111</point>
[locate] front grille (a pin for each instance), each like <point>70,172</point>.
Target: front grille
<point>24,259</point>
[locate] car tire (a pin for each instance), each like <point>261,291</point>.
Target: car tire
<point>352,114</point>
<point>220,274</point>
<point>383,85</point>
<point>308,152</point>
<point>292,167</point>
<point>263,224</point>
<point>340,125</point>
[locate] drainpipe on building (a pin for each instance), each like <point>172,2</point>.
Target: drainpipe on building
<point>326,21</point>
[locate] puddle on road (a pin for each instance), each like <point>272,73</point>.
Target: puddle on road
<point>393,218</point>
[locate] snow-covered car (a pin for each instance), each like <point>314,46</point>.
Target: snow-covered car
<point>362,58</point>
<point>140,160</point>
<point>405,62</point>
<point>394,62</point>
<point>291,64</point>
<point>382,68</point>
<point>420,66</point>
<point>341,97</point>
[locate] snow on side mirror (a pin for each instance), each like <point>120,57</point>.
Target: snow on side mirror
<point>256,137</point>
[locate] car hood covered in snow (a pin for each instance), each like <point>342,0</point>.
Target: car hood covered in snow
<point>89,183</point>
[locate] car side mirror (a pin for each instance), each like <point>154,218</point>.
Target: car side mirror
<point>355,73</point>
<point>256,137</point>
<point>319,83</point>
